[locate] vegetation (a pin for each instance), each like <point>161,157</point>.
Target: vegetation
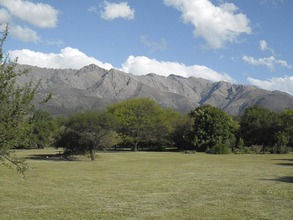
<point>142,121</point>
<point>149,185</point>
<point>15,106</point>
<point>271,131</point>
<point>211,126</point>
<point>87,132</point>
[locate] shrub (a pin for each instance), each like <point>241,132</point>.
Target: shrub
<point>219,149</point>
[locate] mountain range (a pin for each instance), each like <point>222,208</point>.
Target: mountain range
<point>93,87</point>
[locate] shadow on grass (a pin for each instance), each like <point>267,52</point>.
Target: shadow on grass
<point>284,179</point>
<point>49,157</point>
<point>287,162</point>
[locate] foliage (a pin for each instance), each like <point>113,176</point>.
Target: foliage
<point>87,132</point>
<point>271,131</point>
<point>182,129</point>
<point>44,129</point>
<point>15,106</point>
<point>219,149</point>
<point>211,126</point>
<point>259,126</point>
<point>287,125</point>
<point>140,121</point>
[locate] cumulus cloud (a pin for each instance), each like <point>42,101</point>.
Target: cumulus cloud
<point>284,84</point>
<point>24,34</point>
<point>153,45</point>
<point>39,14</point>
<point>112,11</point>
<point>141,65</point>
<point>216,24</point>
<point>67,58</point>
<point>269,62</point>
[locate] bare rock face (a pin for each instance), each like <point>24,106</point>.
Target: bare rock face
<point>93,87</point>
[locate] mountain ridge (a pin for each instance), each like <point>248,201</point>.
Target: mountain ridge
<point>93,87</point>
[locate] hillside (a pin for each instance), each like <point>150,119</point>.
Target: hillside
<point>93,87</point>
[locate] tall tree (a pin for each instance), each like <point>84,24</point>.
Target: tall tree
<point>15,106</point>
<point>211,126</point>
<point>259,126</point>
<point>139,121</point>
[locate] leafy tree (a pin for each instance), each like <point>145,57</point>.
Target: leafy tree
<point>87,132</point>
<point>258,126</point>
<point>182,126</point>
<point>287,125</point>
<point>15,106</point>
<point>211,126</point>
<point>140,121</point>
<point>44,129</point>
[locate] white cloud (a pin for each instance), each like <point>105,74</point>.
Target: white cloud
<point>24,34</point>
<point>5,17</point>
<point>269,62</point>
<point>141,65</point>
<point>39,14</point>
<point>216,24</point>
<point>284,84</point>
<point>153,45</point>
<point>112,11</point>
<point>264,46</point>
<point>67,58</point>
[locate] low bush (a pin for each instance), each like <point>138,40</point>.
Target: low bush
<point>219,149</point>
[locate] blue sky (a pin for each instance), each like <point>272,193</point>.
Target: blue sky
<point>243,42</point>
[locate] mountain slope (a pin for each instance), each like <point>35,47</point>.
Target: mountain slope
<point>93,87</point>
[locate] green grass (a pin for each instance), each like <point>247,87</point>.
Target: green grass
<point>150,186</point>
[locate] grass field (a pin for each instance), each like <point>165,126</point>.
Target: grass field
<point>147,185</point>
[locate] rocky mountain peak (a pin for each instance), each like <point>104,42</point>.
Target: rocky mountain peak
<point>93,87</point>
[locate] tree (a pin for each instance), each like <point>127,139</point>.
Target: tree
<point>87,132</point>
<point>44,129</point>
<point>211,126</point>
<point>259,126</point>
<point>287,125</point>
<point>15,106</point>
<point>139,121</point>
<point>182,126</point>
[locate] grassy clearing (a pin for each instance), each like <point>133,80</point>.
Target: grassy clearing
<point>150,186</point>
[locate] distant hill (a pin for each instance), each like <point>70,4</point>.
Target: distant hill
<point>93,87</point>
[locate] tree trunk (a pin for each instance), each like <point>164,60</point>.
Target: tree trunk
<point>92,153</point>
<point>135,148</point>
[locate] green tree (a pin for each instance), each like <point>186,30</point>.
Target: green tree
<point>211,126</point>
<point>15,106</point>
<point>87,132</point>
<point>182,127</point>
<point>258,126</point>
<point>140,121</point>
<point>44,129</point>
<point>287,125</point>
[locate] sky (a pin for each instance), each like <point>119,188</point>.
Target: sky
<point>242,42</point>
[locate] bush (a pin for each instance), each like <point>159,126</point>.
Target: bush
<point>219,149</point>
<point>280,149</point>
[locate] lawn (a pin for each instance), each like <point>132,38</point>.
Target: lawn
<point>150,185</point>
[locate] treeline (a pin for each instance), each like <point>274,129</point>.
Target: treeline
<point>141,124</point>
